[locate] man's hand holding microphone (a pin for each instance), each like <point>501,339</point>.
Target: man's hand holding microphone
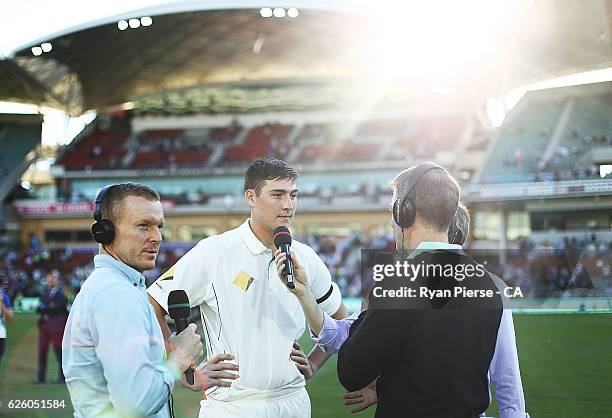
<point>294,277</point>
<point>186,352</point>
<point>185,345</point>
<point>299,286</point>
<point>185,349</point>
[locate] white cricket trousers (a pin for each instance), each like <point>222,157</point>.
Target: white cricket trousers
<point>293,405</point>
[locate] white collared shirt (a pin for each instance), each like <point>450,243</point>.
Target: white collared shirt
<point>246,310</point>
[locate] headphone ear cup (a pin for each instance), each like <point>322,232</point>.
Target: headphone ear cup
<point>408,213</point>
<point>404,214</point>
<point>396,214</point>
<point>460,237</point>
<point>455,234</point>
<point>103,231</point>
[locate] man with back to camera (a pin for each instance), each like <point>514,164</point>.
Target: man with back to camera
<point>113,346</point>
<point>248,315</point>
<point>363,359</point>
<point>443,356</point>
<point>329,334</point>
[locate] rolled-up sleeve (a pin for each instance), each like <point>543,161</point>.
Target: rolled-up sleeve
<point>137,382</point>
<point>505,373</point>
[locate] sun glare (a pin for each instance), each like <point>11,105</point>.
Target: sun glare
<point>430,40</point>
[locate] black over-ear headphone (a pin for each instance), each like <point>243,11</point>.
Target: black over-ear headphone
<point>102,230</point>
<point>456,235</point>
<point>404,210</point>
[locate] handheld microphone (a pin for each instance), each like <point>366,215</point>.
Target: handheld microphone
<point>179,309</point>
<point>282,241</point>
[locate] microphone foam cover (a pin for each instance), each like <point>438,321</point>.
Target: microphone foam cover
<point>281,236</point>
<point>178,304</point>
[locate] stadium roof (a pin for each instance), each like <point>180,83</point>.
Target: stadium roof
<point>228,46</point>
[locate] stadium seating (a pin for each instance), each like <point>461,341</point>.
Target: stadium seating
<point>147,159</point>
<point>103,149</point>
<point>372,140</point>
<point>260,141</point>
<point>521,143</point>
<point>340,151</point>
<point>313,131</point>
<point>224,134</point>
<point>589,126</point>
<point>518,152</point>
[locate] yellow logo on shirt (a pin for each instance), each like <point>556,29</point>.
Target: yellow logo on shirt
<point>169,275</point>
<point>243,281</point>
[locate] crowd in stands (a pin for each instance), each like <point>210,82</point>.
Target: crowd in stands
<point>539,269</point>
<point>310,194</point>
<point>552,268</point>
<point>558,168</point>
<point>522,151</point>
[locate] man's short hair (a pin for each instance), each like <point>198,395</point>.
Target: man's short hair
<point>435,196</point>
<point>267,169</point>
<point>111,203</point>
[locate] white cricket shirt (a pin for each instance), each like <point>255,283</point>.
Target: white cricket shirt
<point>246,310</point>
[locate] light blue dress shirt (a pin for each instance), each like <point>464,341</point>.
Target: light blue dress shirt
<point>504,370</point>
<point>113,347</point>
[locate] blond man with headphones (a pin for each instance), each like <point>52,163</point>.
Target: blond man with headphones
<point>113,347</point>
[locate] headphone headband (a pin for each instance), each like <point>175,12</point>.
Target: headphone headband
<point>413,177</point>
<point>99,200</point>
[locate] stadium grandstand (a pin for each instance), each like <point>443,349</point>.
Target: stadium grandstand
<point>183,95</point>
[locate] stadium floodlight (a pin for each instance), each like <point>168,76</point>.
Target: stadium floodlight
<point>146,21</point>
<point>293,12</point>
<point>134,23</point>
<point>122,25</point>
<point>278,12</point>
<point>46,47</point>
<point>265,12</point>
<point>37,51</point>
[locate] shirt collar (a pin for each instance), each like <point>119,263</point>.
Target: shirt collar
<point>249,238</point>
<point>429,246</point>
<point>105,260</point>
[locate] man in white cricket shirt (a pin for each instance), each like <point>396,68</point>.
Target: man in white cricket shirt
<point>249,317</point>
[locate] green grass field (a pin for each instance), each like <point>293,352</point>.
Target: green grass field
<point>566,364</point>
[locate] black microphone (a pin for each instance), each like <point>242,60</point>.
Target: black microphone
<point>179,310</point>
<point>282,241</point>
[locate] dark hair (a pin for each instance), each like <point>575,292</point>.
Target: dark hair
<point>463,219</point>
<point>112,200</point>
<point>435,196</point>
<point>266,169</point>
